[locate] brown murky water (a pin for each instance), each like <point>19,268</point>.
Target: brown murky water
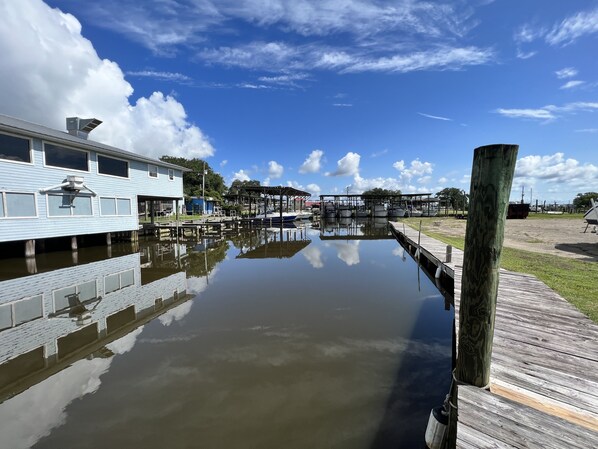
<point>295,338</point>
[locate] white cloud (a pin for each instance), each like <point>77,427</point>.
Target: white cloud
<point>399,165</point>
<point>313,255</point>
<point>443,180</point>
<point>342,105</point>
<point>525,55</point>
<point>347,251</point>
<point>539,114</point>
<point>241,175</point>
<point>435,117</point>
<point>379,153</point>
<point>313,162</point>
<point>573,27</point>
<point>567,72</point>
<point>571,84</point>
<point>61,75</point>
<point>314,189</point>
<point>288,80</point>
<point>566,32</point>
<point>275,170</point>
<point>417,168</point>
<point>162,76</point>
<point>556,168</point>
<point>224,162</point>
<point>347,166</point>
<point>295,185</point>
<point>550,112</point>
<point>587,130</point>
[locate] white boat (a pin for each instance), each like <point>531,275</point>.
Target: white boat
<point>396,211</point>
<point>303,215</point>
<point>329,211</point>
<point>591,216</point>
<point>276,216</point>
<point>344,211</point>
<point>362,212</point>
<point>414,212</point>
<point>378,210</point>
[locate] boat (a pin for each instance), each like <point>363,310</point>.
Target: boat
<point>362,212</point>
<point>378,210</point>
<point>303,215</point>
<point>396,211</point>
<point>591,216</point>
<point>344,211</point>
<point>276,217</point>
<point>413,212</point>
<point>329,210</point>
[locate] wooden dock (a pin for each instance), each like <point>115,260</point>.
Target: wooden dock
<point>544,372</point>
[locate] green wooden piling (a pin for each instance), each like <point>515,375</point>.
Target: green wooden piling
<point>491,180</point>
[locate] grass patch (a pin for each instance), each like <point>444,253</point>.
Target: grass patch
<point>573,279</point>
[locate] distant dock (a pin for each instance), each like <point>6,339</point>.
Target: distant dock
<point>544,372</point>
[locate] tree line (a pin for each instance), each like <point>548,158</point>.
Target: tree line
<point>216,188</point>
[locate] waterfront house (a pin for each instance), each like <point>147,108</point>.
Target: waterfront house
<point>59,184</point>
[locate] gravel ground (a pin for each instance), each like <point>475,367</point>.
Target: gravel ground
<point>558,236</point>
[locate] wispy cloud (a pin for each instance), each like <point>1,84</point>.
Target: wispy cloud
<point>549,112</point>
<point>571,84</point>
<point>435,117</point>
<point>162,76</point>
<point>379,153</point>
<point>587,130</point>
<point>288,80</point>
<point>572,28</point>
<point>563,33</point>
<point>342,105</point>
<point>567,72</point>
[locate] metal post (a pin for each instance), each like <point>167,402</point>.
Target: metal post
<point>203,190</point>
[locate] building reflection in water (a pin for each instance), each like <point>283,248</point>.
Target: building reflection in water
<point>60,329</point>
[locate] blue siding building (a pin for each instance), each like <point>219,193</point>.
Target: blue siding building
<point>58,184</point>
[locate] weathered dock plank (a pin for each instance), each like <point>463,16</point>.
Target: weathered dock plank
<point>545,359</point>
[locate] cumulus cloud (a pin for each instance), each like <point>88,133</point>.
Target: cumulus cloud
<point>241,175</point>
<point>314,189</point>
<point>556,168</point>
<point>61,75</point>
<point>275,170</point>
<point>417,168</point>
<point>313,163</point>
<point>347,166</point>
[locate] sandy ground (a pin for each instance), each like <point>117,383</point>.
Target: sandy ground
<point>559,236</point>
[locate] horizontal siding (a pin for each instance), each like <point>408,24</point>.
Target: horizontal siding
<point>45,331</point>
<point>30,178</point>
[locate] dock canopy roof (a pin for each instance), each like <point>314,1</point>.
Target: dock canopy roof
<point>276,190</point>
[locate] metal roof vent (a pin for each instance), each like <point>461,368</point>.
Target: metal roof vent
<point>81,127</point>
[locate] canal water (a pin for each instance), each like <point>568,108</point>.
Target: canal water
<point>307,337</point>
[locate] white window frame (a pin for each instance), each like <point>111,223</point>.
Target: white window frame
<point>115,198</point>
<point>116,158</point>
<point>31,152</point>
<point>77,292</point>
<point>71,215</point>
<point>12,310</point>
<point>171,174</point>
<point>120,287</point>
<point>44,142</point>
<point>5,217</point>
<point>149,172</point>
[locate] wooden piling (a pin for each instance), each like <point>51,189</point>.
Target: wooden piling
<point>491,180</point>
<point>29,248</point>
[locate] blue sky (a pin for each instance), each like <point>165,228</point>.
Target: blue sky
<point>323,95</point>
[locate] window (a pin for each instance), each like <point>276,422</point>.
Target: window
<point>113,167</point>
<point>117,281</point>
<point>17,205</point>
<point>15,149</point>
<point>73,296</point>
<point>152,170</point>
<point>64,205</point>
<point>123,206</point>
<point>171,174</point>
<point>115,206</point>
<point>108,206</point>
<point>66,157</point>
<point>20,312</point>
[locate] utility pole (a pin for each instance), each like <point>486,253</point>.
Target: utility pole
<point>203,190</point>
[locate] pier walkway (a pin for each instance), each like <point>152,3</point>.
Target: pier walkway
<point>544,371</point>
